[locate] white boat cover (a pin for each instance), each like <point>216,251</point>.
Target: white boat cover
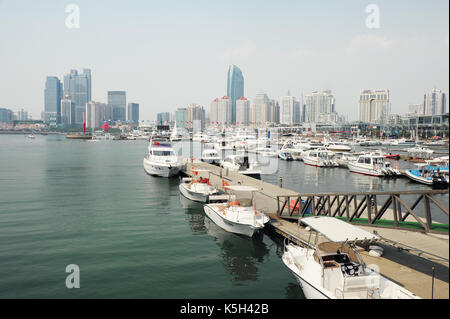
<point>337,230</point>
<point>242,188</point>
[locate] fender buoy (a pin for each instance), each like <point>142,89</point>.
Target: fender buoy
<point>375,253</point>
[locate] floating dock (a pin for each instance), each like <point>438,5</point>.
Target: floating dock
<point>416,249</point>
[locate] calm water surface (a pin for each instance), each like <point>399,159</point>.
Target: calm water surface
<point>91,203</point>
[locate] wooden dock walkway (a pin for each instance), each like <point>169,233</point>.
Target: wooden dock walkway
<point>409,256</point>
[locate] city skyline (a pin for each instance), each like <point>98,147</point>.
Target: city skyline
<point>408,54</point>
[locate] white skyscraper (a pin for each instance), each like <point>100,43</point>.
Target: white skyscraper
<point>374,106</point>
<point>97,113</point>
<point>319,107</point>
<point>289,110</point>
<point>221,111</point>
<point>243,111</point>
<point>434,102</point>
<point>260,110</point>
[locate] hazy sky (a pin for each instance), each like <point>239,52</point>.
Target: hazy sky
<point>168,54</point>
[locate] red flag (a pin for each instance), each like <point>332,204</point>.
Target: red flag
<point>156,143</point>
<point>84,127</point>
<point>224,184</point>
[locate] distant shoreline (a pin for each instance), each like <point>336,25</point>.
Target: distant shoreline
<point>29,132</point>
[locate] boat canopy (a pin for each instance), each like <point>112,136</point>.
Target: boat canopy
<point>242,188</point>
<point>337,230</point>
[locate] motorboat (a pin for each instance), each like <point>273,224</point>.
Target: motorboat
<point>319,158</point>
<point>337,146</point>
<point>31,136</point>
<point>334,269</point>
<point>285,156</point>
<point>239,215</point>
<point>342,158</point>
<point>429,175</point>
<point>161,159</point>
<point>373,165</point>
<point>197,189</point>
<point>211,156</point>
<point>240,163</point>
<point>285,152</point>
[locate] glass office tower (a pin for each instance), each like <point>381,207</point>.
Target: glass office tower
<point>235,88</point>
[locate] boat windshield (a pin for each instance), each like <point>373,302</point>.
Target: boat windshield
<point>378,160</point>
<point>164,153</point>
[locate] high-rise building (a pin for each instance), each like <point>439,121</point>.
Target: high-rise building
<point>133,112</point>
<point>118,102</point>
<point>79,86</point>
<point>374,106</point>
<point>319,107</point>
<point>22,115</point>
<point>434,102</point>
<point>97,113</point>
<point>195,117</point>
<point>264,110</point>
<point>6,115</point>
<point>243,111</point>
<point>52,100</point>
<point>235,88</point>
<point>214,111</point>
<point>163,118</point>
<point>224,111</point>
<point>181,117</point>
<point>289,110</point>
<point>67,111</point>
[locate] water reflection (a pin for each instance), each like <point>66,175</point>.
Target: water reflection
<point>240,254</point>
<point>194,215</point>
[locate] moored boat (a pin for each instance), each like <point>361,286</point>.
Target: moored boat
<point>239,215</point>
<point>334,269</point>
<point>161,159</point>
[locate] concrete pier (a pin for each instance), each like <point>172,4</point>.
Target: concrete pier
<point>409,256</point>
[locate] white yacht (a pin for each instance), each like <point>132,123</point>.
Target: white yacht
<point>211,156</point>
<point>266,152</point>
<point>285,152</point>
<point>197,189</point>
<point>239,217</point>
<point>373,165</point>
<point>319,158</point>
<point>161,159</point>
<point>337,146</point>
<point>334,269</point>
<point>241,164</point>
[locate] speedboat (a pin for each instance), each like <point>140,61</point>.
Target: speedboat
<point>319,158</point>
<point>241,164</point>
<point>285,152</point>
<point>161,159</point>
<point>31,136</point>
<point>285,156</point>
<point>373,165</point>
<point>334,269</point>
<point>429,175</point>
<point>211,156</point>
<point>197,189</point>
<point>337,146</point>
<point>239,215</point>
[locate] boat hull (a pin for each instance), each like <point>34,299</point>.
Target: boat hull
<point>227,225</point>
<point>364,170</point>
<point>196,197</point>
<point>156,169</point>
<point>309,290</point>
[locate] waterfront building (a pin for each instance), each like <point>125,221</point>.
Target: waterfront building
<point>79,86</point>
<point>52,100</point>
<point>374,106</point>
<point>195,116</point>
<point>118,102</point>
<point>97,113</point>
<point>221,111</point>
<point>133,112</point>
<point>434,102</point>
<point>319,107</point>
<point>264,110</point>
<point>22,115</point>
<point>67,111</point>
<point>6,115</point>
<point>243,111</point>
<point>235,88</point>
<point>163,118</point>
<point>181,117</point>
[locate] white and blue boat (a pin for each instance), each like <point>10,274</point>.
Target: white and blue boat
<point>436,176</point>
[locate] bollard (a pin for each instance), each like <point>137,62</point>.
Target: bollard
<point>281,182</point>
